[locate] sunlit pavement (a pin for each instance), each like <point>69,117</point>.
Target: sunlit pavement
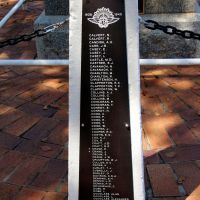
<point>171,131</point>
<point>34,132</point>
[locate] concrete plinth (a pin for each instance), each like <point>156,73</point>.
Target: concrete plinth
<point>55,45</point>
<point>156,44</point>
<point>56,7</point>
<point>169,6</point>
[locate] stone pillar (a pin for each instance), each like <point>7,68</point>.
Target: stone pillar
<point>54,45</point>
<point>183,14</point>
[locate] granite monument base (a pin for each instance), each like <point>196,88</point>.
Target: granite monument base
<point>156,44</point>
<point>56,7</point>
<point>54,45</point>
<point>169,6</point>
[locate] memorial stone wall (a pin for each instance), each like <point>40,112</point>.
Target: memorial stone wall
<point>184,14</point>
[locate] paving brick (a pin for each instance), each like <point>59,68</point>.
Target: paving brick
<point>29,53</point>
<point>35,75</point>
<point>4,69</point>
<point>181,153</point>
<point>9,117</point>
<point>189,114</point>
<point>23,70</point>
<point>54,196</point>
<point>62,103</point>
<point>21,125</point>
<point>27,171</point>
<point>187,70</point>
<point>145,141</point>
<point>14,82</point>
<point>4,108</point>
<point>37,110</point>
<point>152,106</point>
<point>182,135</point>
<point>151,157</point>
<point>167,198</point>
<point>154,130</point>
<point>163,71</point>
<point>2,151</point>
<point>49,97</point>
<point>61,115</point>
<point>41,130</point>
<point>33,93</point>
<point>3,55</point>
<point>7,192</point>
<point>30,194</point>
<point>9,141</point>
<point>17,89</point>
<point>59,135</point>
<point>156,87</point>
<point>54,82</point>
<point>195,127</point>
<point>52,175</point>
<point>191,99</point>
<point>146,182</point>
<point>191,174</point>
<point>192,198</point>
<point>8,75</point>
<point>170,80</point>
<point>55,71</point>
<point>64,155</point>
<point>63,186</point>
<point>198,163</point>
<point>182,84</point>
<point>40,148</point>
<point>172,103</point>
<point>64,88</point>
<point>162,180</point>
<point>13,102</point>
<point>9,162</point>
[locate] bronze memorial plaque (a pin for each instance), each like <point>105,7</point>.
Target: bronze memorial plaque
<point>105,140</point>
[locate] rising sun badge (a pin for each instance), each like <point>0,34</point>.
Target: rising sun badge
<point>103,17</point>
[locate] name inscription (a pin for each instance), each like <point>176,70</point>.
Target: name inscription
<point>105,149</point>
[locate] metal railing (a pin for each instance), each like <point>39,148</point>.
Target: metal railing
<point>11,12</point>
<point>33,62</point>
<point>150,62</point>
<point>166,62</point>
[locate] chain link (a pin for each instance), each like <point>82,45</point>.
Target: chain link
<point>170,30</point>
<point>37,33</point>
<point>150,24</point>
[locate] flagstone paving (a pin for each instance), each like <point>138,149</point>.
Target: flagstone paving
<point>34,131</point>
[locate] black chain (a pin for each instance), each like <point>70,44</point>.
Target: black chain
<point>150,24</point>
<point>171,30</point>
<point>13,41</point>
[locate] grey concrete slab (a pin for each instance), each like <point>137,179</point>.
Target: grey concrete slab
<point>170,6</point>
<point>57,7</point>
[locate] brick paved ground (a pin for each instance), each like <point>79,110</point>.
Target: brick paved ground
<point>171,131</point>
<point>33,125</point>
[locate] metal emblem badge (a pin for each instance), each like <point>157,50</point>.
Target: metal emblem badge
<point>103,17</point>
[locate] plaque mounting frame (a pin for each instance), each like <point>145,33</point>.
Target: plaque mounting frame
<point>75,41</point>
